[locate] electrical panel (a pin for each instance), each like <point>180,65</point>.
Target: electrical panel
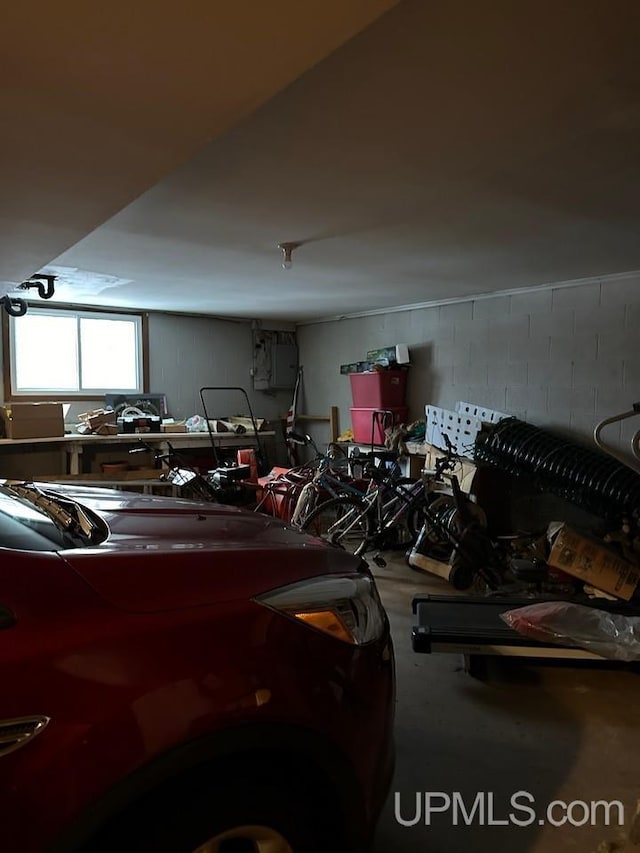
<point>284,361</point>
<point>275,360</point>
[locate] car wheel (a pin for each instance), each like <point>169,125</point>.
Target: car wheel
<point>234,816</point>
<point>250,820</point>
<point>247,839</point>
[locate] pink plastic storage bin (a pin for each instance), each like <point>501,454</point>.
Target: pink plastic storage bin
<point>383,389</point>
<point>362,421</point>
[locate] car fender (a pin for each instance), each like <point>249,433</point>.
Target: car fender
<point>309,752</point>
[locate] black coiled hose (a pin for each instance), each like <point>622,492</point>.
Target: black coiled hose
<point>586,477</point>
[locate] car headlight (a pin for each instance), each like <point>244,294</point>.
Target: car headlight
<point>346,607</point>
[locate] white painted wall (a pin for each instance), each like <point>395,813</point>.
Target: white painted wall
<point>186,353</point>
<point>561,357</point>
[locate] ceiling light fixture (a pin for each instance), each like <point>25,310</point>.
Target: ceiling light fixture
<point>287,249</point>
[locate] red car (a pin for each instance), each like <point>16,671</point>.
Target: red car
<point>181,676</point>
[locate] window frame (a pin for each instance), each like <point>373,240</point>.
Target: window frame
<point>77,311</point>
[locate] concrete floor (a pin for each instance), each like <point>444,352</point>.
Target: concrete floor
<point>559,733</point>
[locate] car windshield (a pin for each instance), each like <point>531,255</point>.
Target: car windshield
<point>39,519</point>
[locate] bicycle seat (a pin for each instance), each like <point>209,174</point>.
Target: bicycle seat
<point>378,475</point>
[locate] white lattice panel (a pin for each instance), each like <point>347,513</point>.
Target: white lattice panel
<point>460,429</point>
<point>488,416</point>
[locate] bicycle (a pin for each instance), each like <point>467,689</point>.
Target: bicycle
<point>328,481</point>
<point>453,542</point>
<point>280,495</point>
<point>385,516</point>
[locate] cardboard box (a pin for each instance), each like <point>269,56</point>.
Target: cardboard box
<point>465,470</point>
<point>356,367</point>
<point>173,427</point>
<point>594,563</point>
<point>106,429</point>
<point>32,420</point>
<point>398,354</point>
<point>98,418</point>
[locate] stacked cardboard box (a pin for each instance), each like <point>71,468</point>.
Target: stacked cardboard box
<point>32,420</point>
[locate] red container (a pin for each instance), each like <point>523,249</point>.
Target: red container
<point>362,422</point>
<point>383,389</point>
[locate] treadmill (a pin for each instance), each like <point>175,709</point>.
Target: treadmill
<point>472,626</point>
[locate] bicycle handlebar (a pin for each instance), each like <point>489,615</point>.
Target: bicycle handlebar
<point>158,455</point>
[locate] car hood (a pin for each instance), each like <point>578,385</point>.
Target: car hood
<point>139,521</point>
<point>164,553</point>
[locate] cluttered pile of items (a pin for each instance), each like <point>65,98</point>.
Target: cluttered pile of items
<point>378,392</point>
<point>133,420</point>
<point>230,479</point>
<point>579,584</point>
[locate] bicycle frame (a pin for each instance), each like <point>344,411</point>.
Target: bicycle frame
<point>388,502</point>
<point>405,496</point>
<point>323,481</point>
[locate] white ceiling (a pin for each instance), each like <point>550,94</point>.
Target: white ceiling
<point>448,150</point>
<point>98,102</point>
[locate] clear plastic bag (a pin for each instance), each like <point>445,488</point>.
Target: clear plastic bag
<point>611,635</point>
<point>196,423</point>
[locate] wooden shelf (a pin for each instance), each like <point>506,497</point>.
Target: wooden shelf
<point>73,444</point>
<point>148,486</point>
<point>331,419</point>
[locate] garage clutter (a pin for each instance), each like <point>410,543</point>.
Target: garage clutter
<point>570,590</point>
<point>460,533</point>
<point>378,392</point>
<point>32,420</point>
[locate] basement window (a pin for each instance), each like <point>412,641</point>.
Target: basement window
<point>75,353</point>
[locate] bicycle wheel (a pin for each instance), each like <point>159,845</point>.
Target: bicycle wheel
<point>342,521</point>
<point>414,522</point>
<point>423,505</point>
<point>305,505</point>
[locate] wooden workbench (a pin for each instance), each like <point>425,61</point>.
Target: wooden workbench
<point>73,445</point>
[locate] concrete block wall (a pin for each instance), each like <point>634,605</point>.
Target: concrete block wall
<point>188,353</point>
<point>561,357</point>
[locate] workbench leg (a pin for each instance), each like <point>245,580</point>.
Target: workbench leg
<point>74,450</point>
